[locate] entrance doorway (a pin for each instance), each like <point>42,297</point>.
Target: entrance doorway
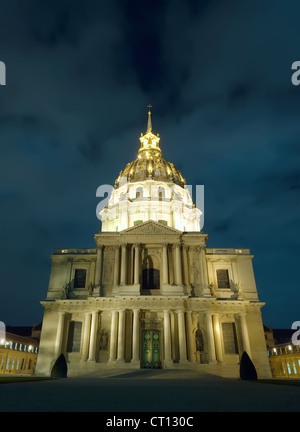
<point>151,349</point>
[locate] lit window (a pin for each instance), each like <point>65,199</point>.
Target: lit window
<point>288,367</point>
<point>294,367</point>
<point>7,364</point>
<point>223,279</point>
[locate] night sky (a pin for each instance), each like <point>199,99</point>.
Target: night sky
<point>79,78</point>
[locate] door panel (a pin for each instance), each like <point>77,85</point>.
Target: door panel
<point>151,349</point>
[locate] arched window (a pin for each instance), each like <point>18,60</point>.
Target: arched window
<point>161,194</point>
<point>139,193</point>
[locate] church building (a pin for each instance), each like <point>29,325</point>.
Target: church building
<point>151,294</point>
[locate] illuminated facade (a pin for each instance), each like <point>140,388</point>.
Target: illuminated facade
<point>151,294</point>
<point>18,354</point>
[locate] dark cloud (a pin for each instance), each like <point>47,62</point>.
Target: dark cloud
<point>79,79</point>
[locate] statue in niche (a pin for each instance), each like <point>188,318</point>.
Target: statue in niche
<point>103,340</point>
<point>199,340</point>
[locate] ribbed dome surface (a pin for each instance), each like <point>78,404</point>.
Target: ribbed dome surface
<point>151,167</point>
<point>149,163</point>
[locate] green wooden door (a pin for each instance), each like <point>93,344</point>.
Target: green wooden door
<point>151,349</point>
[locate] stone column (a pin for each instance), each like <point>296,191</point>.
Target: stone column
<point>123,265</point>
<point>93,336</point>
<point>136,264</point>
<point>136,336</point>
<point>121,336</point>
<point>178,269</point>
<point>211,338</point>
<point>185,265</point>
<point>167,336</point>
<point>204,277</point>
<point>217,331</point>
<point>98,272</point>
<point>189,334</point>
<point>165,264</point>
<point>117,265</point>
<point>59,333</point>
<point>245,335</point>
<point>113,336</point>
<point>182,336</point>
<point>86,334</point>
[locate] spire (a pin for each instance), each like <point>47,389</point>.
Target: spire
<point>149,127</point>
<point>149,141</point>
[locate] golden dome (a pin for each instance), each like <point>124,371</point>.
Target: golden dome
<point>149,164</point>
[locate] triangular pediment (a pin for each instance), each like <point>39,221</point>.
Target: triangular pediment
<point>152,228</point>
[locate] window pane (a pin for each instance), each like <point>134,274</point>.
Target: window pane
<point>223,279</point>
<point>79,279</point>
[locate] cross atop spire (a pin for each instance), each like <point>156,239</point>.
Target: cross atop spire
<point>149,128</point>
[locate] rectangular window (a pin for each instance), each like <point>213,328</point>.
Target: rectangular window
<point>229,338</point>
<point>74,336</point>
<point>79,278</point>
<point>223,279</point>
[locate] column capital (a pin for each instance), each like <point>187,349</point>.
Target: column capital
<point>176,245</point>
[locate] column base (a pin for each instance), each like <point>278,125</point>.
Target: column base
<point>177,290</point>
<point>126,290</point>
<point>168,363</point>
<point>136,364</point>
<point>96,291</point>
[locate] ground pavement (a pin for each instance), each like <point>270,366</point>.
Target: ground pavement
<point>152,391</point>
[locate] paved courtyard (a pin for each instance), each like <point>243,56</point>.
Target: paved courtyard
<point>152,391</point>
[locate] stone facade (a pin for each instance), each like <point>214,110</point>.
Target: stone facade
<point>152,294</point>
